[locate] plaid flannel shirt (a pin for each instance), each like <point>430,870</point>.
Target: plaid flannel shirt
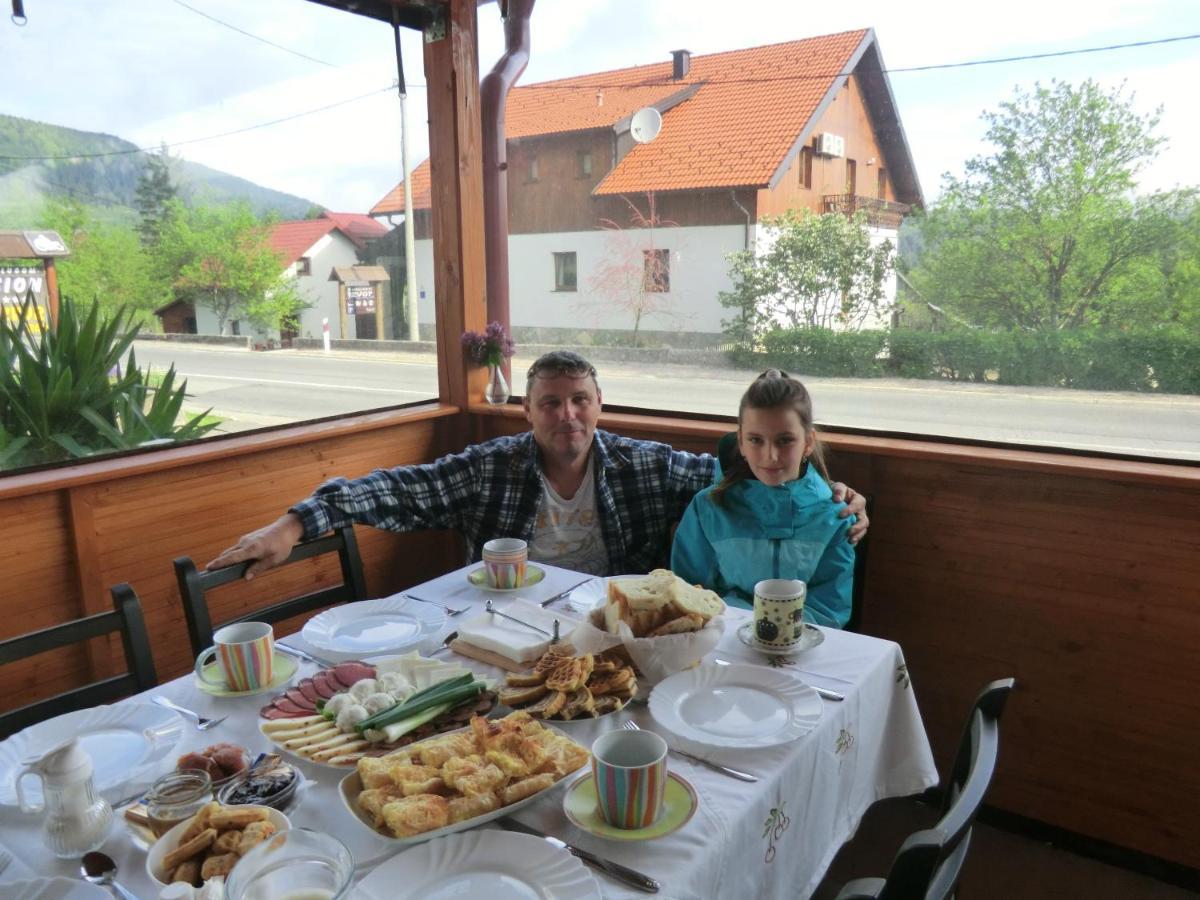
<point>494,489</point>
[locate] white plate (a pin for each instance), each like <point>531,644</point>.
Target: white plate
<point>126,742</point>
<point>498,865</point>
<point>351,786</point>
<point>735,706</point>
<point>810,637</point>
<point>371,627</point>
<point>54,889</point>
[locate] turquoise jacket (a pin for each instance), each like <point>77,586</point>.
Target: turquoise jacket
<point>789,531</point>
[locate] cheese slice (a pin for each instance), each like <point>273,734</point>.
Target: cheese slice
<point>511,640</point>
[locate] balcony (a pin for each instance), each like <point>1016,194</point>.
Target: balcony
<point>880,213</point>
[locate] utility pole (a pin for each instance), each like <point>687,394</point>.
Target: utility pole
<point>410,262</point>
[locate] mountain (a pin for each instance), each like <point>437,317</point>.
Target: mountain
<point>104,175</point>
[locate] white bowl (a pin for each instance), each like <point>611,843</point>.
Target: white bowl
<point>170,841</point>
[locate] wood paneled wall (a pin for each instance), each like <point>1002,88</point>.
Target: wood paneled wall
<point>64,546</point>
<point>1081,578</point>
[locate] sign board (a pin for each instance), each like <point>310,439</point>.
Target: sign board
<point>16,283</point>
<point>360,298</point>
<point>46,243</point>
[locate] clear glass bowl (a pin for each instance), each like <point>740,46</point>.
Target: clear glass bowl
<point>298,863</point>
<point>176,797</point>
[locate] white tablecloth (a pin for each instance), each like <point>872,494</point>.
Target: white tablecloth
<point>765,840</point>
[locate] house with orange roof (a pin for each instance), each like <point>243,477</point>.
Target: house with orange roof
<point>745,135</point>
<point>309,250</point>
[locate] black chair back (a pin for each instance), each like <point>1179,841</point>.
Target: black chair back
<point>194,586</point>
<point>126,617</point>
<point>929,864</point>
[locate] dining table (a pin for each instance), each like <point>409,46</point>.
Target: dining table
<point>773,838</point>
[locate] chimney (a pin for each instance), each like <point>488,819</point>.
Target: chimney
<point>681,61</point>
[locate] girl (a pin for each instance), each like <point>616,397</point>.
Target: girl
<point>771,515</point>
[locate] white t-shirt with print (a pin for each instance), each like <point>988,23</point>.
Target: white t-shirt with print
<point>567,532</point>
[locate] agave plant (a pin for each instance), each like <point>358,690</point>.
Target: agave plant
<point>60,396</point>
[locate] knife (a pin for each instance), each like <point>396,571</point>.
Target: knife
<point>304,654</point>
<point>562,594</point>
<point>607,866</point>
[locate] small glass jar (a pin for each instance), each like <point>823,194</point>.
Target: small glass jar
<point>176,797</point>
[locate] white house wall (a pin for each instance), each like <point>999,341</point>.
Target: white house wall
<point>698,273</point>
<point>333,249</point>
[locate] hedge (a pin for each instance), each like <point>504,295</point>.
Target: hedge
<point>1164,360</point>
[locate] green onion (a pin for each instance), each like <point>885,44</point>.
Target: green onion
<point>462,687</point>
<point>397,730</point>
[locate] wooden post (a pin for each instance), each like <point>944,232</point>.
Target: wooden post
<point>51,290</point>
<point>341,310</point>
<point>377,287</point>
<point>456,162</point>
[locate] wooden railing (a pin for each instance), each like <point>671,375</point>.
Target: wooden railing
<point>880,213</point>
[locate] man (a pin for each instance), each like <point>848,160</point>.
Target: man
<point>583,498</point>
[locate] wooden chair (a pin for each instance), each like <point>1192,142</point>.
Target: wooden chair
<point>929,864</point>
<point>726,453</point>
<point>126,618</point>
<point>194,586</point>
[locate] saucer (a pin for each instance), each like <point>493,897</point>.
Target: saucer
<point>809,638</point>
<point>533,575</point>
<point>679,804</point>
<point>284,667</point>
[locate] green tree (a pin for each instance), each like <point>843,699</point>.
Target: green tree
<point>153,195</point>
<point>107,264</point>
<point>224,262</point>
<point>1046,231</point>
<point>819,271</point>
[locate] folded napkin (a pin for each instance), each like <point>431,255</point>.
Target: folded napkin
<point>510,640</point>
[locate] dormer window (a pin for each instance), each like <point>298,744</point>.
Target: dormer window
<point>304,266</point>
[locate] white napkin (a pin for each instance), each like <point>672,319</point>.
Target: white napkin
<point>510,640</point>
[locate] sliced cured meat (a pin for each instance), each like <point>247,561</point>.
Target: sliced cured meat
<point>301,699</point>
<point>285,705</point>
<point>271,711</point>
<point>305,686</point>
<point>323,686</point>
<point>348,673</point>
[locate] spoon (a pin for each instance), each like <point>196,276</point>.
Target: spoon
<point>450,639</point>
<point>98,868</point>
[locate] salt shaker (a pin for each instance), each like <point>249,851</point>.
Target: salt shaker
<point>77,819</point>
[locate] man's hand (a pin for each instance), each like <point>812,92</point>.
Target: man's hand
<point>856,505</point>
<point>269,546</point>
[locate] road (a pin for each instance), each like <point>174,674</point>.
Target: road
<point>251,390</point>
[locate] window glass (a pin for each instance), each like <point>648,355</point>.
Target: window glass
<point>584,160</point>
<point>1042,293</point>
<point>241,213</point>
<point>564,271</point>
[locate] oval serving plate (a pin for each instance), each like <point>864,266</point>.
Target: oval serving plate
<point>351,786</point>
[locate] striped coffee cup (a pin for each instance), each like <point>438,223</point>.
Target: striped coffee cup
<point>630,771</point>
<point>245,655</point>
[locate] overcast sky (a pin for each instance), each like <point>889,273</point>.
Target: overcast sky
<point>154,70</point>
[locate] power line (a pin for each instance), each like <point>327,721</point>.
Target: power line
<point>211,137</point>
<point>591,85</point>
<point>211,18</point>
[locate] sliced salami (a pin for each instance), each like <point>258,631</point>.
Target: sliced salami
<point>348,673</point>
<point>323,685</point>
<point>305,686</point>
<point>301,699</point>
<point>291,709</point>
<point>271,711</point>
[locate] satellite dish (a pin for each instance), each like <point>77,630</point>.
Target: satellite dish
<point>645,125</point>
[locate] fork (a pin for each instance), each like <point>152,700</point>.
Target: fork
<point>450,611</point>
<point>630,725</point>
<point>202,723</point>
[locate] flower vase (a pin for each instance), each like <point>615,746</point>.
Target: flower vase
<point>497,386</point>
